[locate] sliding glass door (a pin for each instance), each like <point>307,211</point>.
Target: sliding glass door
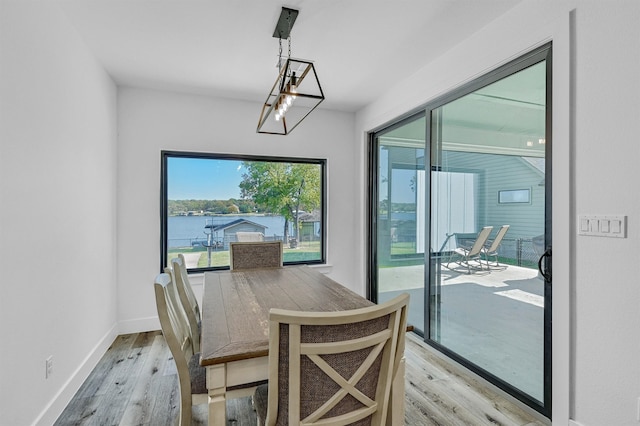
<point>461,213</point>
<point>399,215</point>
<point>488,172</point>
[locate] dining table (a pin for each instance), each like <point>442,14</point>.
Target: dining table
<point>235,327</point>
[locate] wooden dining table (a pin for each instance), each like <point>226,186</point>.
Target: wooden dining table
<point>235,323</point>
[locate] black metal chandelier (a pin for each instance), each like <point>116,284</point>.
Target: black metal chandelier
<point>297,90</point>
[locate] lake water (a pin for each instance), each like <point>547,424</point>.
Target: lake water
<point>183,230</point>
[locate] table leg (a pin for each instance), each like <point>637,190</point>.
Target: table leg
<point>216,384</point>
<point>395,413</point>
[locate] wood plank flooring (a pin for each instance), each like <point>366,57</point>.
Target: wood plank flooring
<point>135,383</point>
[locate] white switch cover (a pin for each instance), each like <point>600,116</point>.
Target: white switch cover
<point>584,224</point>
<point>603,226</point>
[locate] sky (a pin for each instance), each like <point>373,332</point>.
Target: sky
<point>203,179</point>
<point>211,179</point>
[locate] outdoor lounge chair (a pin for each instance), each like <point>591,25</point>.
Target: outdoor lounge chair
<point>464,255</point>
<point>492,249</point>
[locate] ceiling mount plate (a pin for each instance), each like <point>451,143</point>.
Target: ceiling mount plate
<point>285,23</point>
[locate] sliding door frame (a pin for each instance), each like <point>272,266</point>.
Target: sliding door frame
<point>542,53</point>
<point>373,199</point>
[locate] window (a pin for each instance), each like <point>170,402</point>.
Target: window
<point>210,200</point>
<point>514,196</point>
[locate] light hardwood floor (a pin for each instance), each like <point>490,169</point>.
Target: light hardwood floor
<point>135,383</point>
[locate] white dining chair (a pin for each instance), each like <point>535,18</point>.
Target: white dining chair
<point>332,368</point>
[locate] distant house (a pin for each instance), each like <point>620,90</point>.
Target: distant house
<point>226,232</point>
<point>309,226</point>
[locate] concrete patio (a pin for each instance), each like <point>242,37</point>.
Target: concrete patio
<point>492,318</point>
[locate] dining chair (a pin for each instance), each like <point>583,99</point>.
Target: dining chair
<point>188,299</point>
<point>255,254</point>
<point>191,376</point>
<point>332,368</point>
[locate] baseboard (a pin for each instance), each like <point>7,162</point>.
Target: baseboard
<point>574,423</point>
<point>53,410</point>
<point>138,325</point>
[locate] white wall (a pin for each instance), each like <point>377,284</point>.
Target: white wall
<point>607,151</point>
<point>57,211</point>
<point>596,123</point>
<point>151,121</point>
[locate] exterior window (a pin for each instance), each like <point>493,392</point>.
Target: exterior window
<point>210,200</point>
<point>514,196</point>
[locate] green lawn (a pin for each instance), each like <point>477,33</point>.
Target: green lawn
<point>305,251</point>
<point>403,248</point>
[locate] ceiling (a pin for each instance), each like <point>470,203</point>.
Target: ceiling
<point>506,117</point>
<point>226,48</point>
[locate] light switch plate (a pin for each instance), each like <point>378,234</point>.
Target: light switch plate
<point>613,226</point>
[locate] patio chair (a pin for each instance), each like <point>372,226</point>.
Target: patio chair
<point>258,254</point>
<point>332,368</point>
<point>492,249</point>
<point>464,255</point>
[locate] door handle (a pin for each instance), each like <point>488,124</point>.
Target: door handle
<point>544,273</point>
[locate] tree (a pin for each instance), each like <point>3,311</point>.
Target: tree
<point>282,188</point>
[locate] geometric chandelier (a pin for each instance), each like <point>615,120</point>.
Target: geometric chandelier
<point>297,90</point>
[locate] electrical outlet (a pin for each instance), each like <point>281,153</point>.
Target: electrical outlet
<point>48,367</point>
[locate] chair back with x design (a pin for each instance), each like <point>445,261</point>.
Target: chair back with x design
<point>334,367</point>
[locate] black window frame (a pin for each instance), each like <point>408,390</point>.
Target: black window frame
<point>166,154</point>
